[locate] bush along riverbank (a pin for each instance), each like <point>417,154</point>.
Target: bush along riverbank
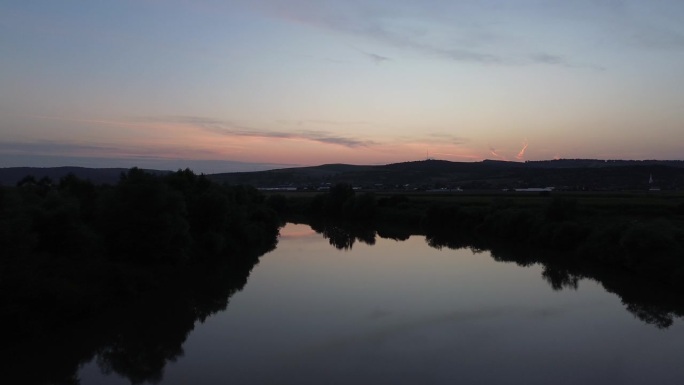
<point>72,248</point>
<point>639,233</point>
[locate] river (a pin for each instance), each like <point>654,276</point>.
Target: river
<point>401,312</point>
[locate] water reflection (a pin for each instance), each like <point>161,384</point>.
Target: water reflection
<point>136,342</point>
<point>342,235</point>
<point>560,278</point>
<point>139,342</point>
<point>645,299</point>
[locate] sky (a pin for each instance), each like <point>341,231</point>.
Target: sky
<point>237,85</point>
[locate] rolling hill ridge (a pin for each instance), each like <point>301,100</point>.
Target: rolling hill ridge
<point>568,174</point>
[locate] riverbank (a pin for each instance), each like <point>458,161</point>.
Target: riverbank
<point>641,233</point>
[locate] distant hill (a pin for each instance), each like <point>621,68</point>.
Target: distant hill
<point>9,176</point>
<point>570,174</point>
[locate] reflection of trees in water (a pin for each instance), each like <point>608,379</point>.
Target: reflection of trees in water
<point>657,306</point>
<point>141,350</point>
<point>154,331</point>
<point>394,234</point>
<point>560,278</point>
<point>652,314</point>
<point>642,297</point>
<point>648,301</point>
<point>339,237</point>
<point>441,240</point>
<point>137,341</point>
<point>342,235</point>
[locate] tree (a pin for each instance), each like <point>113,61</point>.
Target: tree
<point>145,220</point>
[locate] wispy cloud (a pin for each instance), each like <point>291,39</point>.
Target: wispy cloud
<point>51,147</point>
<point>377,59</point>
<point>53,153</point>
<point>655,37</point>
<point>451,31</point>
<point>199,137</point>
<point>319,122</point>
<point>229,128</point>
<point>546,58</point>
<point>521,153</point>
<point>495,154</point>
<point>495,33</point>
<point>75,148</point>
<point>558,60</point>
<point>375,22</point>
<point>619,23</point>
<point>449,138</point>
<point>117,123</point>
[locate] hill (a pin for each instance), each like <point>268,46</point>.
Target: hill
<point>567,174</point>
<point>570,174</point>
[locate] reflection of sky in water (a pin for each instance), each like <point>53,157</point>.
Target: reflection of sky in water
<point>402,312</point>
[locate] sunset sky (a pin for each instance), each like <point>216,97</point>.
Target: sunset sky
<point>239,85</point>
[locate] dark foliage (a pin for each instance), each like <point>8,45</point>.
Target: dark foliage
<point>74,248</point>
<point>342,202</point>
<point>135,341</point>
<point>642,233</point>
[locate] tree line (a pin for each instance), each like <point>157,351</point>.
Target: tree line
<point>72,248</point>
<point>643,234</point>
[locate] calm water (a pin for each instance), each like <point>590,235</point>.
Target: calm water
<point>405,313</point>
